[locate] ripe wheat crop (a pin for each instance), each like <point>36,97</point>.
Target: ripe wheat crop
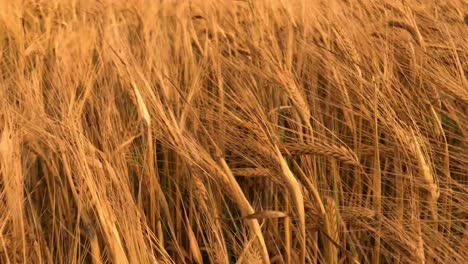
<point>206,131</point>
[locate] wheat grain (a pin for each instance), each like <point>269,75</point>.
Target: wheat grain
<point>410,29</point>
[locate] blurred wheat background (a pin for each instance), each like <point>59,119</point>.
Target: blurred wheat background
<point>203,131</point>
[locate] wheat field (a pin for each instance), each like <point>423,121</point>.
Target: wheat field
<point>204,131</point>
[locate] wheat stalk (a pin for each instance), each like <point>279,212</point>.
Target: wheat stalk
<point>323,149</point>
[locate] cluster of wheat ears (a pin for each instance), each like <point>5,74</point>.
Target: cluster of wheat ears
<point>205,131</point>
